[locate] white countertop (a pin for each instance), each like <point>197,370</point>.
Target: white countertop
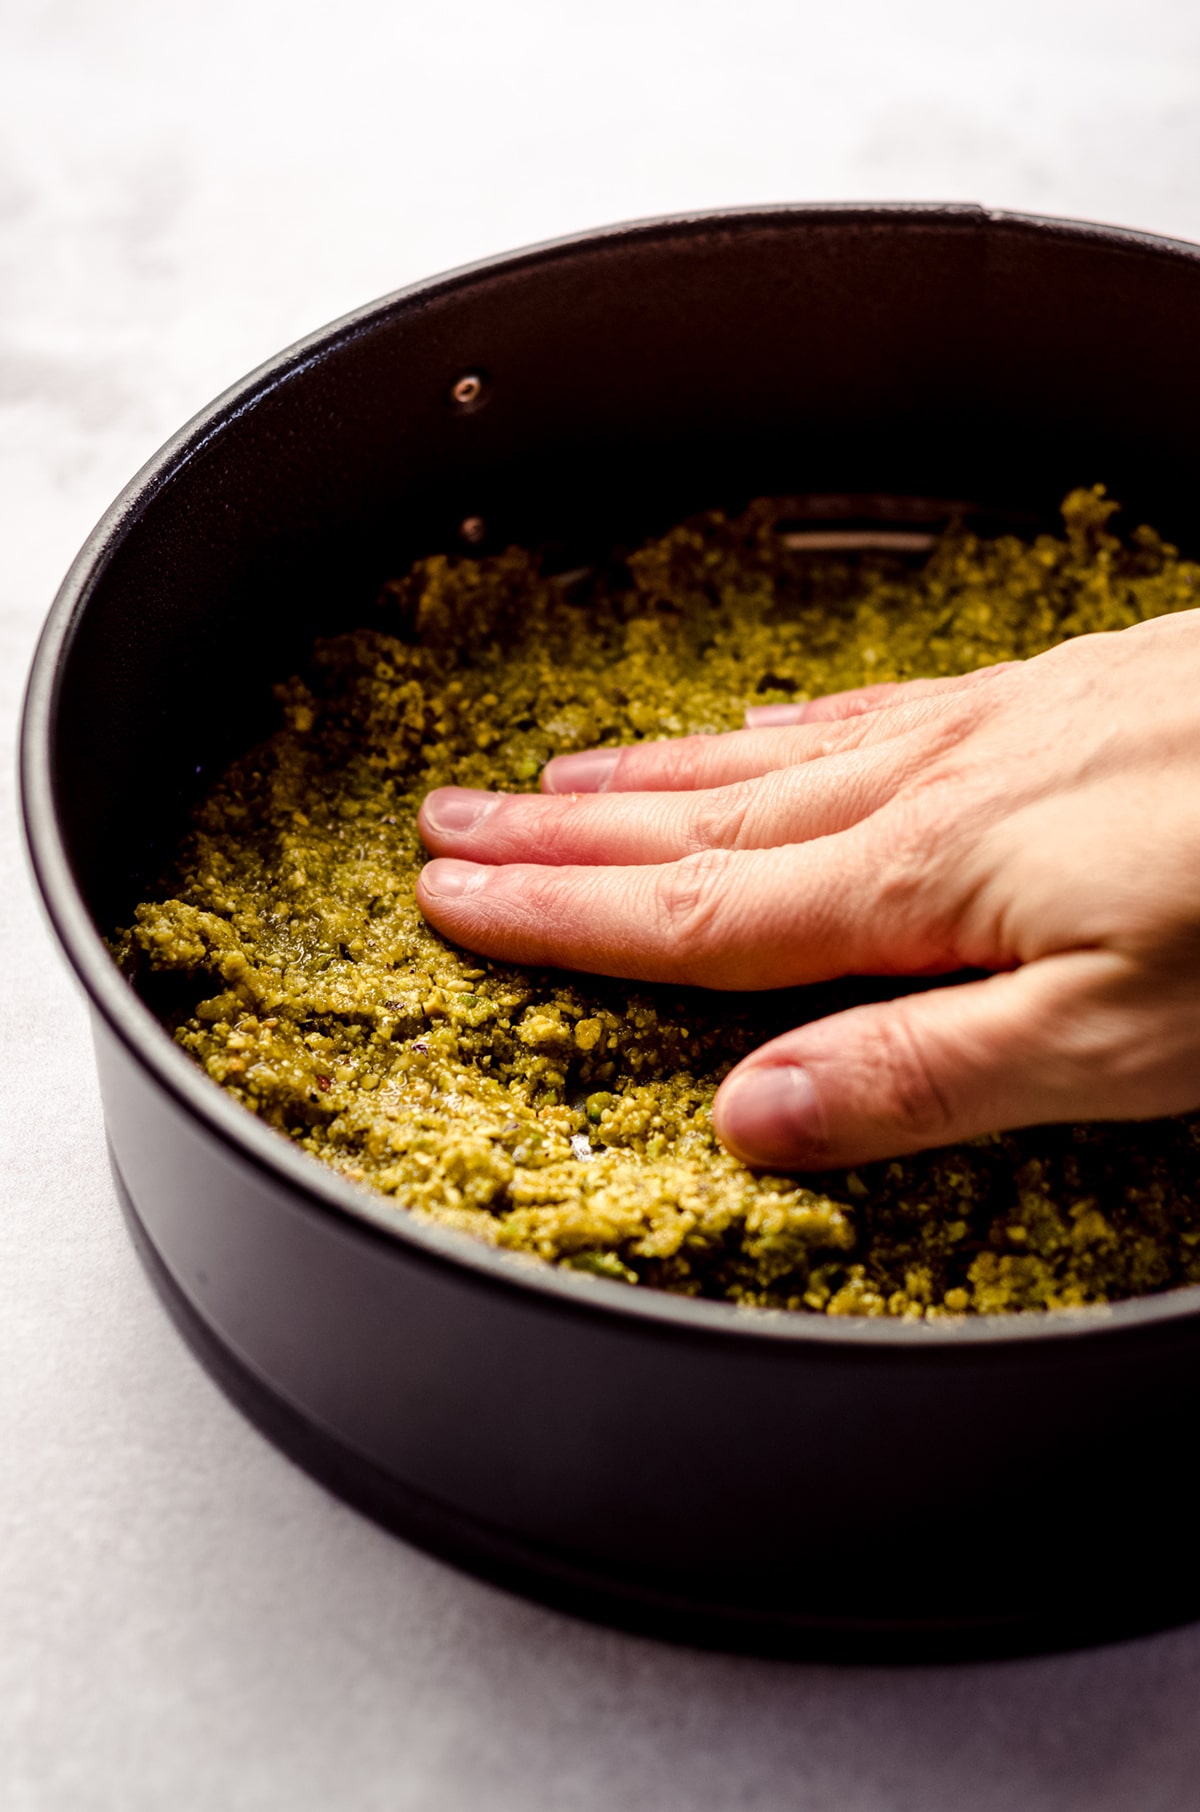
<point>185,1619</point>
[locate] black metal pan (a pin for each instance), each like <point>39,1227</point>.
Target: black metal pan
<point>767,1481</point>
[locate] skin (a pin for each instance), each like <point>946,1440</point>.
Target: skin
<point>1039,821</point>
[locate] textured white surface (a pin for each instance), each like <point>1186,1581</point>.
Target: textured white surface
<point>184,1619</point>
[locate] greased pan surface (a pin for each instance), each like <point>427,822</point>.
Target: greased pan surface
<point>774,1482</point>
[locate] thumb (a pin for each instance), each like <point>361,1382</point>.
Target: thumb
<point>1064,1038</point>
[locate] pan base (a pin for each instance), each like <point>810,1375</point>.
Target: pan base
<point>533,1571</point>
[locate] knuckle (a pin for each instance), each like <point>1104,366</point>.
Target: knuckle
<point>822,737</point>
<point>687,904</point>
<point>861,701</point>
<point>531,893</point>
<point>718,818</point>
<point>548,828</point>
<point>911,1091</point>
<point>925,860</point>
<point>673,765</point>
<point>909,858</point>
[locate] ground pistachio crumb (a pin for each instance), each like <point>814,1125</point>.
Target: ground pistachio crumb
<point>568,1118</point>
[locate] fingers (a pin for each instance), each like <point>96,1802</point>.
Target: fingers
<point>791,805</point>
<point>1058,1040</point>
<point>684,763</point>
<point>720,918</point>
<point>835,707</point>
<point>777,736</point>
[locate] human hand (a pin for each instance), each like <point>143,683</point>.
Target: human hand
<point>1038,820</point>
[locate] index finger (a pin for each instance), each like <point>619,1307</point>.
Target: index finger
<point>721,919</point>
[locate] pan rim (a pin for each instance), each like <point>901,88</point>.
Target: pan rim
<point>359,1212</point>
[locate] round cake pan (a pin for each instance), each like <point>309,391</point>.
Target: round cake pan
<point>768,1481</point>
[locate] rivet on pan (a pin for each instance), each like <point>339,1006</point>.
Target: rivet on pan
<point>472,529</point>
<point>467,390</point>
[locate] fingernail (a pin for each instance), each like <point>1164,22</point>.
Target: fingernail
<point>450,878</point>
<point>458,808</point>
<point>768,1114</point>
<point>761,717</point>
<point>588,772</point>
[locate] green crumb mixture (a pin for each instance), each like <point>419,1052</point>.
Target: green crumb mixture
<point>567,1118</point>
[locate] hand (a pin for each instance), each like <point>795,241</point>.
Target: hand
<point>1039,820</point>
